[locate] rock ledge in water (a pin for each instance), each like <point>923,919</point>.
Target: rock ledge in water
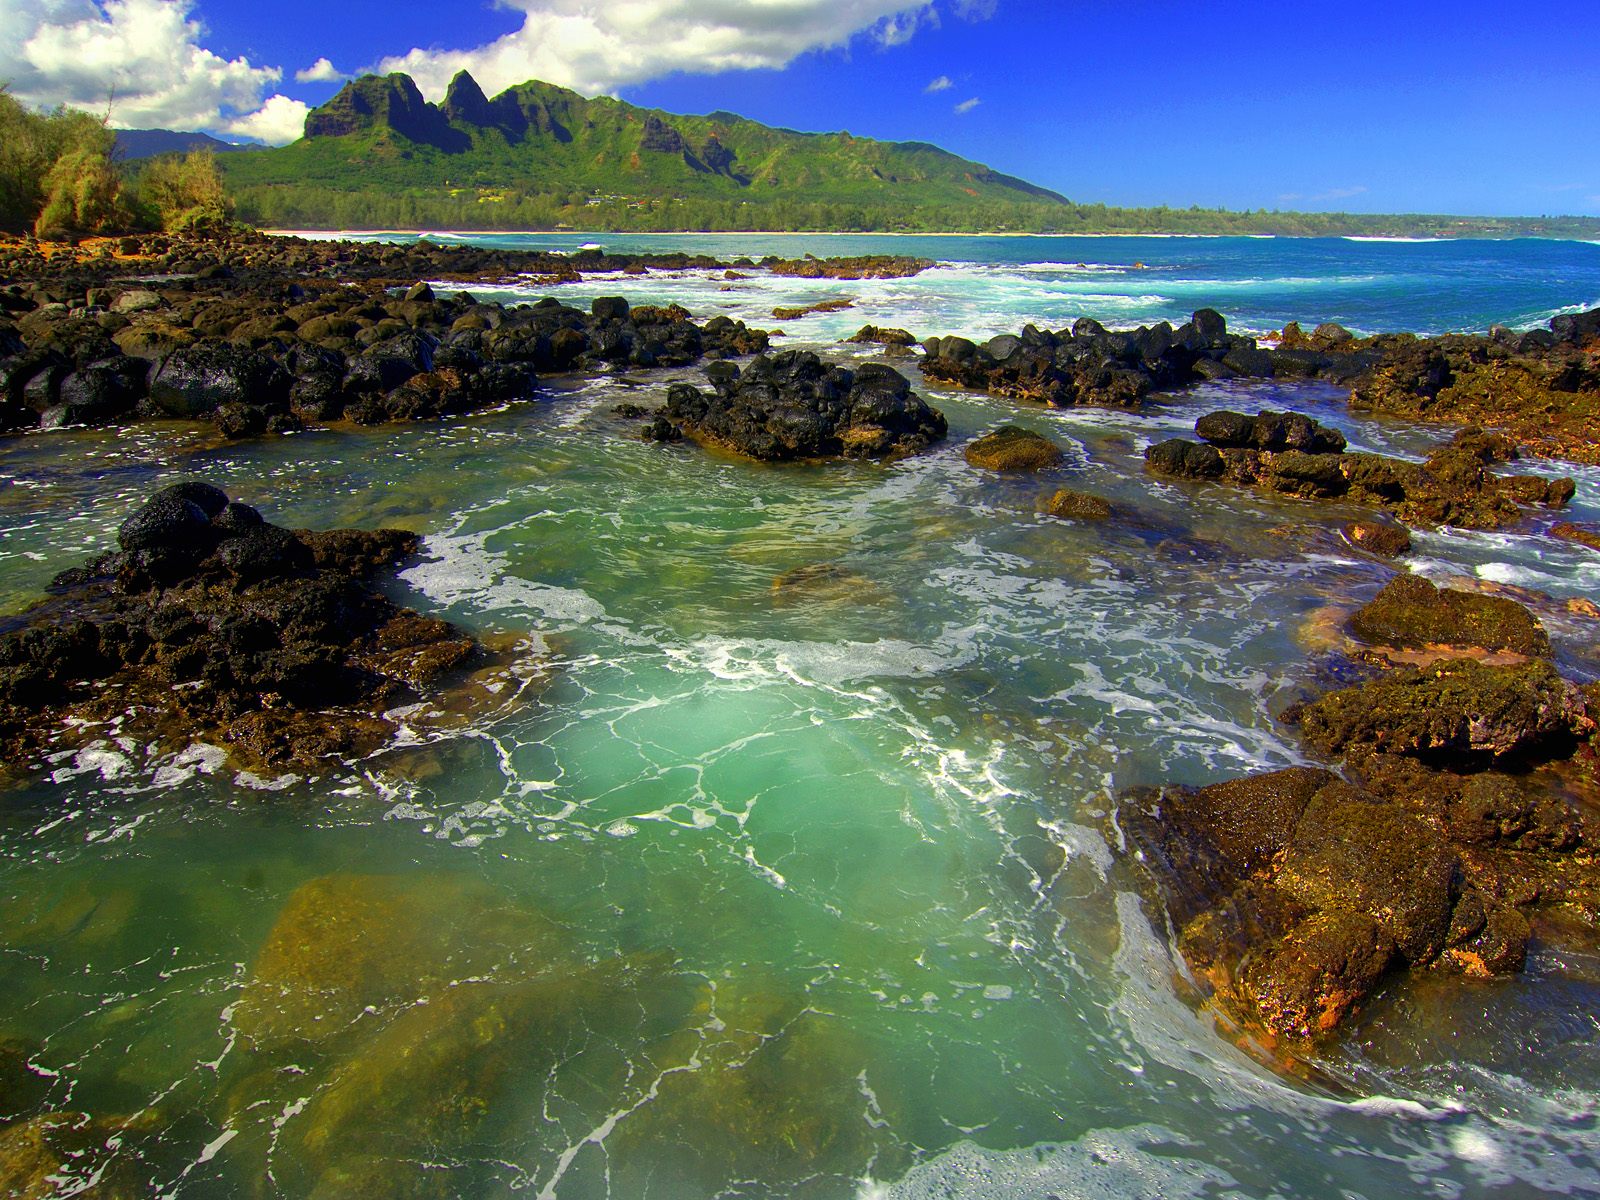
<point>794,406</point>
<point>209,622</point>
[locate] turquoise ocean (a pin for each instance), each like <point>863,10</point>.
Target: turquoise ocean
<point>789,873</point>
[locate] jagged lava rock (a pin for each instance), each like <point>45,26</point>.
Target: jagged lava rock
<point>794,406</point>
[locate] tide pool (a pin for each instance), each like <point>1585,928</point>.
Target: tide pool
<point>794,878</point>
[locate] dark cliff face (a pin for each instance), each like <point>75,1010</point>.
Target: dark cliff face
<point>393,101</point>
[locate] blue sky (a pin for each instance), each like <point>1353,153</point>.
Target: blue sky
<point>1465,107</point>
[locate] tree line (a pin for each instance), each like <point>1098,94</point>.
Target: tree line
<point>60,179</point>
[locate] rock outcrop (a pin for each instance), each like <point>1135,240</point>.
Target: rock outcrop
<point>795,406</point>
<point>1292,455</point>
<point>209,622</point>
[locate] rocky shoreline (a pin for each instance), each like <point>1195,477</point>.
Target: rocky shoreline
<point>1293,896</point>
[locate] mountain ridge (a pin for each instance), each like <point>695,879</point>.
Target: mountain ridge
<point>536,136</point>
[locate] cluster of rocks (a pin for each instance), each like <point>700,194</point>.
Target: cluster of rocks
<point>1295,895</point>
<point>1540,387</point>
<point>256,363</point>
<point>1090,365</point>
<point>794,406</point>
<point>209,621</point>
<point>1292,455</point>
<point>868,266</point>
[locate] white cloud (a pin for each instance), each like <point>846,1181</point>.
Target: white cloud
<point>321,71</point>
<point>967,106</point>
<point>140,58</point>
<point>942,84</point>
<point>597,48</point>
<point>278,121</point>
<point>975,10</point>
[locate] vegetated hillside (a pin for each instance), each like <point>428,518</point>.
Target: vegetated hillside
<point>378,155</point>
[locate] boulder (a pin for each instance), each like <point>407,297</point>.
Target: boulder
<point>1386,541</point>
<point>196,381</point>
<point>1178,458</point>
<point>1012,448</point>
<point>1412,612</point>
<point>1075,506</point>
<point>794,406</point>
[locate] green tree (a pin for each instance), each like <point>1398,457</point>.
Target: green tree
<point>184,194</point>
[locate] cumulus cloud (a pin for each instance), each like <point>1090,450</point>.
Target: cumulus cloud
<point>601,47</point>
<point>278,121</point>
<point>967,106</point>
<point>141,59</point>
<point>942,84</point>
<point>321,71</point>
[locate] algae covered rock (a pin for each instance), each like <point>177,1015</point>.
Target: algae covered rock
<point>347,944</point>
<point>1457,710</point>
<point>1412,612</point>
<point>1375,537</point>
<point>1012,448</point>
<point>1069,505</point>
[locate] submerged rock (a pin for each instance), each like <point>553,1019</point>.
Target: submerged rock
<point>795,406</point>
<point>1069,505</point>
<point>1384,540</point>
<point>1012,448</point>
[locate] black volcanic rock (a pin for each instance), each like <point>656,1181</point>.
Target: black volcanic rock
<point>795,406</point>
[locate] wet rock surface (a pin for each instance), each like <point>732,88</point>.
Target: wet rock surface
<point>794,406</point>
<point>1296,895</point>
<point>1454,486</point>
<point>1540,388</point>
<point>1088,364</point>
<point>209,622</point>
<point>1412,612</point>
<point>298,333</point>
<point>1012,448</point>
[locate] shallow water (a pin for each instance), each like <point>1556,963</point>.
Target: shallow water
<point>788,884</point>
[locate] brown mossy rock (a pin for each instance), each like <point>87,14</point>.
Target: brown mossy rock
<point>1319,973</point>
<point>1012,448</point>
<point>1296,894</point>
<point>1348,852</point>
<point>346,944</point>
<point>1584,535</point>
<point>1376,537</point>
<point>1069,505</point>
<point>1412,612</point>
<point>1459,710</point>
<point>1203,843</point>
<point>68,1154</point>
<point>1542,397</point>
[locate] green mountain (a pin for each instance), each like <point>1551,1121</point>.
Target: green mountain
<point>379,138</point>
<point>380,156</point>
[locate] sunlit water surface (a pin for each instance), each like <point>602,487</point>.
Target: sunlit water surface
<point>785,886</point>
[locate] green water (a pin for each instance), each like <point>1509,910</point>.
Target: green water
<point>790,878</point>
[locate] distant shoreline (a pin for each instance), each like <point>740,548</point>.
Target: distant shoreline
<point>792,233</point>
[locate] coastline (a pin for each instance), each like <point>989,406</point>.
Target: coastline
<point>788,233</point>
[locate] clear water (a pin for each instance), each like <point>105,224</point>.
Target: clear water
<point>777,890</point>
